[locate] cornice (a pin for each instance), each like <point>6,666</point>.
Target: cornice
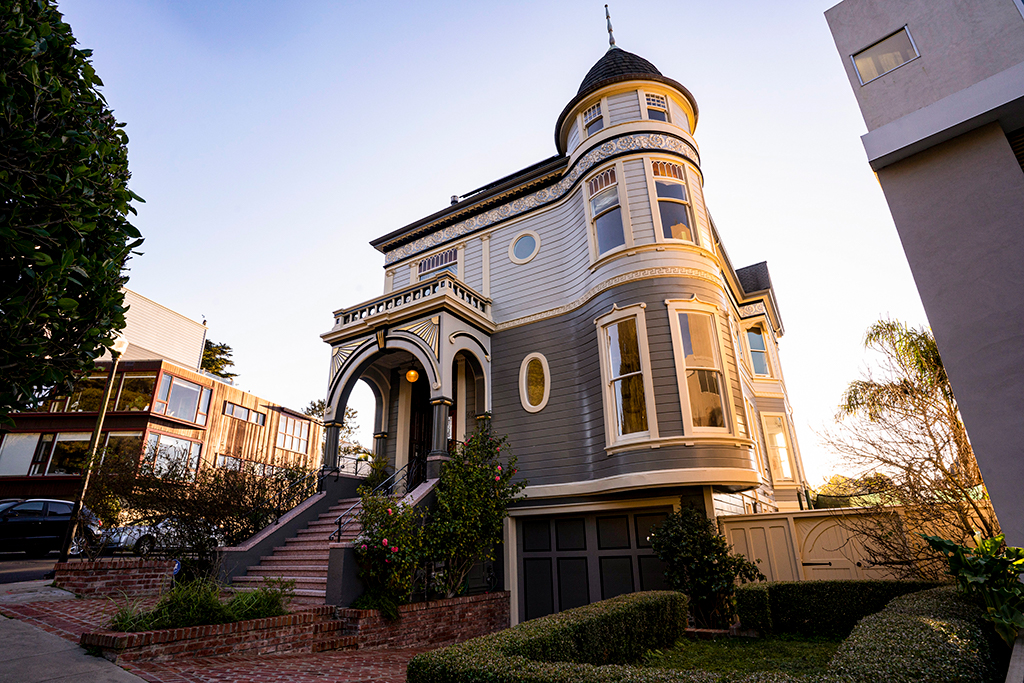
<point>625,144</point>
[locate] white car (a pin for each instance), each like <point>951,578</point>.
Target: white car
<point>144,539</point>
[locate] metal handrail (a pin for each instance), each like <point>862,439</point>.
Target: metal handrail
<point>401,475</point>
<point>286,496</point>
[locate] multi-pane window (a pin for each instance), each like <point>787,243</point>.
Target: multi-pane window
<point>245,414</point>
<point>626,377</point>
<point>758,352</point>
<point>673,201</point>
<point>444,261</point>
<point>131,391</point>
<point>657,107</point>
<point>703,370</point>
<point>885,55</point>
<point>777,440</point>
<point>182,399</point>
<point>593,120</point>
<point>606,211</point>
<point>172,457</point>
<point>293,434</point>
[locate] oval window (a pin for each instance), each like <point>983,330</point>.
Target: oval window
<point>524,247</point>
<point>534,382</point>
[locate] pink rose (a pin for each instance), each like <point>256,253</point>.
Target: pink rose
<point>394,549</point>
<point>384,542</point>
<point>497,479</point>
<point>364,546</point>
<point>389,511</point>
<point>388,561</point>
<point>499,468</point>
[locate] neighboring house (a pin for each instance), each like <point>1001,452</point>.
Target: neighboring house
<point>941,87</point>
<point>587,303</point>
<point>162,407</point>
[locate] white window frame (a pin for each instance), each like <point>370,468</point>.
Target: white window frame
<point>627,226</point>
<point>612,438</point>
<point>511,247</point>
<point>694,305</point>
<point>753,421</point>
<point>645,106</point>
<point>602,107</point>
<point>524,391</point>
<point>652,195</point>
<point>749,351</point>
<point>787,431</point>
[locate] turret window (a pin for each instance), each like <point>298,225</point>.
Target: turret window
<point>606,211</point>
<point>593,120</point>
<point>657,107</point>
<point>673,201</point>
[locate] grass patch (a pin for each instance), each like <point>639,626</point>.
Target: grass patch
<point>781,654</point>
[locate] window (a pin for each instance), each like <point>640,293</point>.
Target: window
<point>673,201</point>
<point>16,453</point>
<point>182,399</point>
<point>229,462</point>
<point>657,107</point>
<point>293,434</point>
<point>593,120</point>
<point>625,368</point>
<point>136,391</point>
<point>444,261</point>
<point>758,352</point>
<point>534,382</point>
<point>87,395</point>
<point>777,440</point>
<point>702,369</point>
<point>172,457</point>
<point>245,414</point>
<point>605,211</point>
<point>524,247</point>
<point>761,462</point>
<point>885,55</point>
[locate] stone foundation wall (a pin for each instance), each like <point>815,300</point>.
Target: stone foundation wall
<point>442,622</point>
<point>130,577</point>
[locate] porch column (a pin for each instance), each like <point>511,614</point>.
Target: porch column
<point>331,439</point>
<point>380,444</point>
<point>439,437</point>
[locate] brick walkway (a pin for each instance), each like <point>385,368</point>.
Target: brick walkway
<point>70,618</point>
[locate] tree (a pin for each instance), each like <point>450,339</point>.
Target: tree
<point>347,431</point>
<point>698,563</point>
<point>217,359</point>
<point>64,229</point>
<point>904,424</point>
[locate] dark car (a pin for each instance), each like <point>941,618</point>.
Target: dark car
<point>38,526</point>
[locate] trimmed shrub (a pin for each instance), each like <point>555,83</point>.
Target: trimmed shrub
<point>575,645</point>
<point>935,635</point>
<point>828,609</point>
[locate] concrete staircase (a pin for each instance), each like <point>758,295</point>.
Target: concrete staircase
<point>303,558</point>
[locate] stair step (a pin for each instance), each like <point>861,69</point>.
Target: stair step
<point>287,570</point>
<point>309,544</point>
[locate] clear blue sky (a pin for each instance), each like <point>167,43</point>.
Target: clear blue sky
<point>273,140</point>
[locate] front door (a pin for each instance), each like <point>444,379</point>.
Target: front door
<point>420,432</point>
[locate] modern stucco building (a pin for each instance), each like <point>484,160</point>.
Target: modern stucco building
<point>588,304</point>
<point>941,88</point>
<point>162,407</point>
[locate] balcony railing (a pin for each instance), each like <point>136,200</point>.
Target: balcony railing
<point>440,286</point>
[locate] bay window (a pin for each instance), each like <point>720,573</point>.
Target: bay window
<point>182,399</point>
<point>673,201</point>
<point>606,211</point>
<point>703,391</point>
<point>625,369</point>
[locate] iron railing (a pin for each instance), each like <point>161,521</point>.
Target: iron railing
<point>407,478</point>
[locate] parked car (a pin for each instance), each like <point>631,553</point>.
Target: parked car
<point>166,535</point>
<point>38,525</point>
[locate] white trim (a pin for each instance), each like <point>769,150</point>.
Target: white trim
<point>749,352</point>
<point>627,225</point>
<point>511,568</point>
<point>512,245</point>
<point>404,417</point>
<point>725,476</point>
<point>581,508</point>
<point>460,399</point>
<point>612,438</point>
<point>389,281</point>
<point>777,476</point>
<point>652,197</point>
<point>485,266</point>
<point>524,391</point>
<point>695,305</point>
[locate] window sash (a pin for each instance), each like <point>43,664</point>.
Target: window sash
<point>700,368</point>
<point>626,377</point>
<point>779,449</point>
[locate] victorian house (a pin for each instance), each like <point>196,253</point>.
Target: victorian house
<point>587,304</point>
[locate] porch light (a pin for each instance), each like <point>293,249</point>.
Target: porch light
<point>412,376</point>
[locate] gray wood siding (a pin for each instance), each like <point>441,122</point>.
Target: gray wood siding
<point>678,116</point>
<point>392,440</point>
<point>401,277</point>
<point>639,201</point>
<point>566,441</point>
<point>624,107</point>
<point>574,137</point>
<point>560,268</point>
<point>728,503</point>
<point>474,264</point>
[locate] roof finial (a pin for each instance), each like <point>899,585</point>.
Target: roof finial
<point>611,36</point>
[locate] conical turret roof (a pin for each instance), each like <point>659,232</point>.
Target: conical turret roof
<point>617,64</point>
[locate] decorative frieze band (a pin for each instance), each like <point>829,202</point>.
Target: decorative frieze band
<point>637,142</point>
<point>752,309</point>
<point>666,271</point>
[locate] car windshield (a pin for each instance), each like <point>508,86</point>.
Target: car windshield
<point>7,504</point>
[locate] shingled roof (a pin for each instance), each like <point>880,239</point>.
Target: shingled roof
<point>615,64</point>
<point>754,278</point>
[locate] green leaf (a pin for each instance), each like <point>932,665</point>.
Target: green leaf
<point>66,304</point>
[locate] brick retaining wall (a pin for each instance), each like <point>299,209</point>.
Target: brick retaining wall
<point>442,622</point>
<point>299,632</point>
<point>132,577</point>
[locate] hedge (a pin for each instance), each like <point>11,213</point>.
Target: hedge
<point>828,609</point>
<point>936,635</point>
<point>589,643</point>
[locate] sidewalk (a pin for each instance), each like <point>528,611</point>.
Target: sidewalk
<point>34,655</point>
